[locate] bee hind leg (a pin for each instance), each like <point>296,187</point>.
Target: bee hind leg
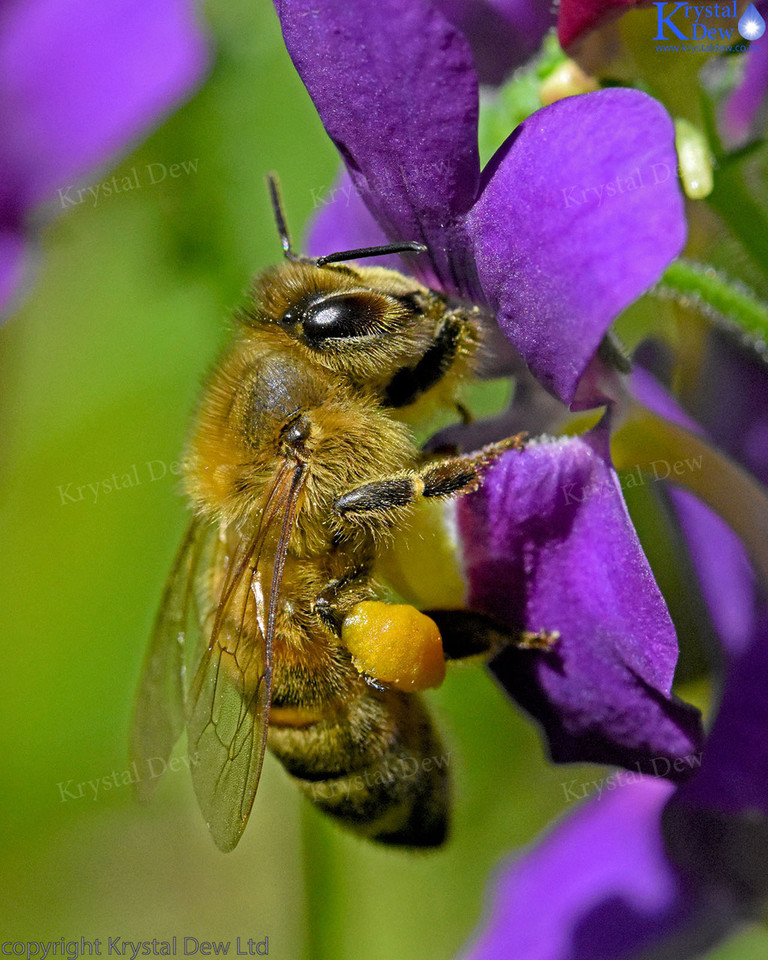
<point>326,604</point>
<point>466,634</point>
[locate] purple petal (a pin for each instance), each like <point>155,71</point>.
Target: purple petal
<point>11,264</point>
<point>599,887</point>
<point>549,545</point>
<point>717,825</point>
<point>580,212</point>
<point>650,392</point>
<point>734,777</point>
<point>723,569</point>
<point>79,80</point>
<point>396,90</point>
<point>741,114</point>
<point>503,34</point>
<point>717,554</point>
<point>730,399</point>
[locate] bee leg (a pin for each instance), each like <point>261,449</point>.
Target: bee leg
<point>326,602</point>
<point>395,644</point>
<point>325,609</point>
<point>409,383</point>
<point>466,634</point>
<point>459,475</point>
<point>446,478</point>
<point>380,496</point>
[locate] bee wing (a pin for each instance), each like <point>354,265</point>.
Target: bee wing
<point>229,697</point>
<point>158,717</point>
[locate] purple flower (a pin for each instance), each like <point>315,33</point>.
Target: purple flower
<point>602,886</point>
<point>78,82</point>
<point>577,214</point>
<point>744,113</point>
<point>726,406</point>
<point>533,560</point>
<point>662,872</point>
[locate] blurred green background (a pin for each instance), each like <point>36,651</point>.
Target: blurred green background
<point>101,367</point>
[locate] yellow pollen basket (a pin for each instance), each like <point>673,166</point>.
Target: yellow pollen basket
<point>395,643</point>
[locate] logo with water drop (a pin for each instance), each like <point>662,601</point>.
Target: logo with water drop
<point>751,25</point>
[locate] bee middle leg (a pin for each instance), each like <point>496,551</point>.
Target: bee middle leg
<point>445,478</point>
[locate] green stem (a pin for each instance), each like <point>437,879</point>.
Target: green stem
<point>320,889</point>
<point>709,287</point>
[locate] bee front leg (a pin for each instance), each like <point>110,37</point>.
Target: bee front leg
<point>445,478</point>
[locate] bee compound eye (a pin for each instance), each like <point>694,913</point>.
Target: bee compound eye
<point>339,317</point>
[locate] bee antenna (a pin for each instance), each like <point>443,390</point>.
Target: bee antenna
<point>277,209</point>
<point>408,246</point>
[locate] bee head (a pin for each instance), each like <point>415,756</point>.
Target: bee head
<point>369,324</point>
<point>364,323</point>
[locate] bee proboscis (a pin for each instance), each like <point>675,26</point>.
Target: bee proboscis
<point>300,465</point>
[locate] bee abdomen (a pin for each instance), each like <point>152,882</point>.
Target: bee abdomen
<point>395,801</point>
<point>394,786</point>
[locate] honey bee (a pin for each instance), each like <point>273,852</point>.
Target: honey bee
<point>271,631</point>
